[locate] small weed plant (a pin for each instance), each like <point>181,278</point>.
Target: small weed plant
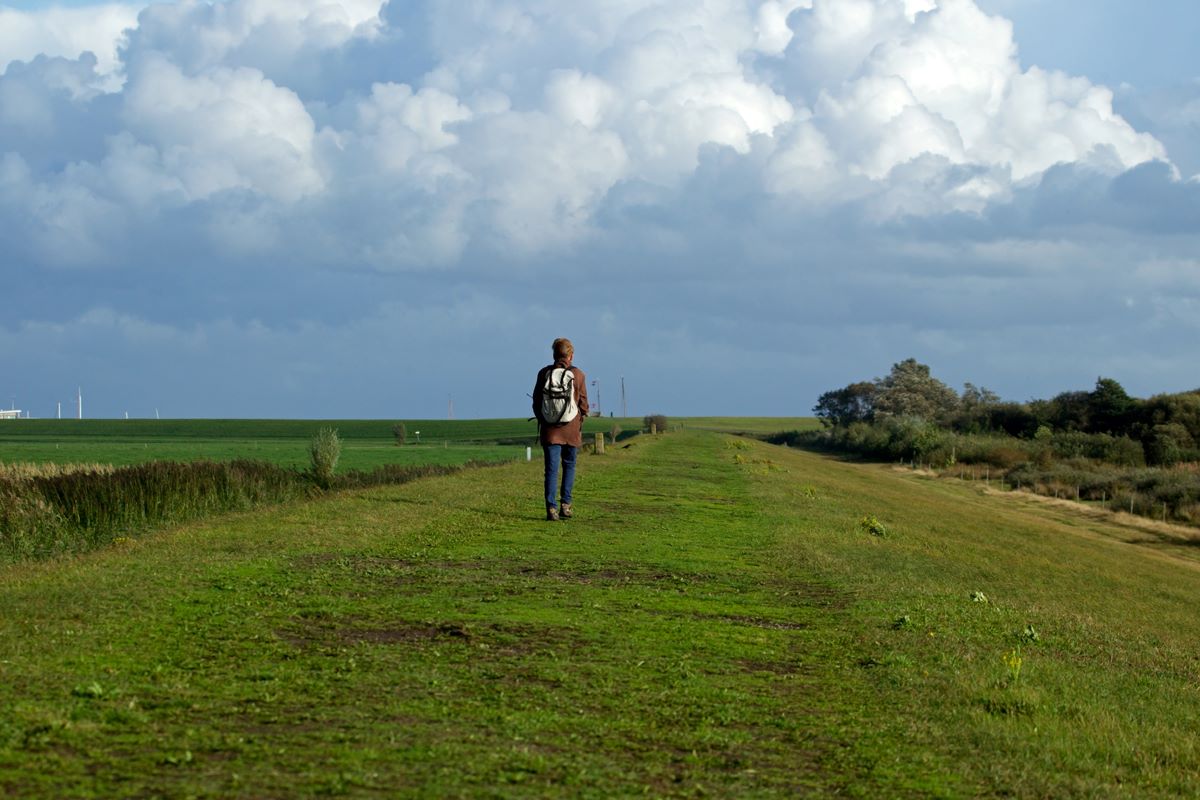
<point>871,524</point>
<point>979,597</point>
<point>1012,665</point>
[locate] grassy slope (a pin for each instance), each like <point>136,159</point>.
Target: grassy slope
<point>713,622</point>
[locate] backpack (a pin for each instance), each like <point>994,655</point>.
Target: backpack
<point>558,396</point>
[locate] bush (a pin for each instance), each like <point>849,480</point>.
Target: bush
<point>657,420</point>
<point>1124,451</point>
<point>614,432</point>
<point>400,432</point>
<point>324,452</point>
<point>1168,444</point>
<point>1001,452</point>
<point>1098,446</point>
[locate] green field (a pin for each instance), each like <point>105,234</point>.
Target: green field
<point>716,621</point>
<point>752,425</point>
<point>366,443</point>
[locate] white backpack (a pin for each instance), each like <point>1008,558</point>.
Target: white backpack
<point>558,396</point>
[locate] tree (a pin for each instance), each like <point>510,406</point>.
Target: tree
<point>400,432</point>
<point>974,408</point>
<point>1066,411</point>
<point>853,403</point>
<point>1015,419</point>
<point>910,390</point>
<point>1108,407</point>
<point>1182,409</point>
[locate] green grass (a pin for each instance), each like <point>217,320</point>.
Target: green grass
<point>750,425</point>
<point>715,621</point>
<point>366,443</point>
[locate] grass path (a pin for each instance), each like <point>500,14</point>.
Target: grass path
<point>713,623</point>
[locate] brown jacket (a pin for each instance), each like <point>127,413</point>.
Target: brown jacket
<point>569,433</point>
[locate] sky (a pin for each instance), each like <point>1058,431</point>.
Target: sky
<point>320,209</point>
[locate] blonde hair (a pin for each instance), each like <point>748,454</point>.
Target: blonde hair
<point>562,348</point>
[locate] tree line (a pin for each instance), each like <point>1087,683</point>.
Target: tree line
<point>1165,427</point>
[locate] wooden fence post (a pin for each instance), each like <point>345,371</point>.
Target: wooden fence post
<point>599,444</point>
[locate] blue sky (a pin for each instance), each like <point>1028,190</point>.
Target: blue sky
<point>315,209</point>
<point>1149,45</point>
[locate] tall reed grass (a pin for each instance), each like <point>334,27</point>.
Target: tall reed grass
<point>48,512</point>
<point>22,471</point>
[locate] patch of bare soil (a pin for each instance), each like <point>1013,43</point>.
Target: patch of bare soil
<point>500,638</point>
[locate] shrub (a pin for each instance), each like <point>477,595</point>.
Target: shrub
<point>1168,444</point>
<point>657,420</point>
<point>324,452</point>
<point>400,432</point>
<point>614,432</point>
<point>1002,452</point>
<point>871,524</point>
<point>1126,452</point>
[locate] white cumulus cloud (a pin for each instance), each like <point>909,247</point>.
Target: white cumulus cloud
<point>67,32</point>
<point>522,121</point>
<point>227,128</point>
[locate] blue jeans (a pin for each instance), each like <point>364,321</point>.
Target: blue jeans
<point>554,454</point>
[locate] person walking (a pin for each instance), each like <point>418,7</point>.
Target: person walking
<point>560,403</point>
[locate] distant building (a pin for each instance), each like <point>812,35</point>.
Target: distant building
<point>13,414</point>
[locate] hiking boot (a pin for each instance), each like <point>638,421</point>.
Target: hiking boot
<point>565,512</point>
<point>551,514</point>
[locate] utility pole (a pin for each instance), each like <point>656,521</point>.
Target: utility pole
<point>450,407</point>
<point>596,386</point>
<point>624,410</point>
